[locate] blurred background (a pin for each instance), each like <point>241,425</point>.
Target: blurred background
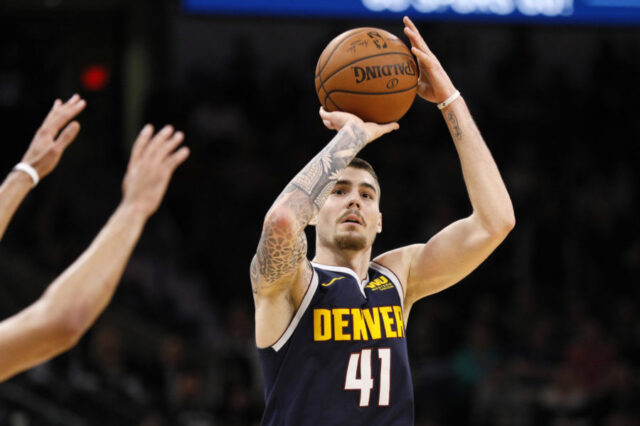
<point>545,332</point>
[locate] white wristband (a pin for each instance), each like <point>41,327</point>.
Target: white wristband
<point>33,174</point>
<point>450,99</point>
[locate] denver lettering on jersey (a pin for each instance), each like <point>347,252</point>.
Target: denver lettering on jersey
<point>344,324</point>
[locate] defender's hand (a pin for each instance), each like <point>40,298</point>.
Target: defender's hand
<point>49,142</point>
<point>434,84</point>
<point>336,120</point>
<point>154,158</point>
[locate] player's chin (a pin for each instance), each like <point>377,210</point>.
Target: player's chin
<point>351,240</point>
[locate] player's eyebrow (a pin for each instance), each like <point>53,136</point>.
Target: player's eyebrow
<point>346,182</point>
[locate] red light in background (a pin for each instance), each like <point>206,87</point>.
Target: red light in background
<point>95,77</point>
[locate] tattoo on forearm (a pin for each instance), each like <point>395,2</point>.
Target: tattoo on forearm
<point>280,251</point>
<point>318,177</point>
<point>455,127</point>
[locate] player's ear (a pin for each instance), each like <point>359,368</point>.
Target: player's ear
<point>379,225</point>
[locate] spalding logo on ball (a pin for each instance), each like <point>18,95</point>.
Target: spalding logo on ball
<point>368,72</point>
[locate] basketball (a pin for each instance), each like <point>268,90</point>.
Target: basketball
<point>368,72</point>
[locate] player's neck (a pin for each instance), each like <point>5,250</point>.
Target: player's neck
<point>358,261</point>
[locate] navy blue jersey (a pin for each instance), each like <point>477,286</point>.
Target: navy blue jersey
<point>343,359</point>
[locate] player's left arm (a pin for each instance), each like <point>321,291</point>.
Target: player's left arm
<point>459,248</point>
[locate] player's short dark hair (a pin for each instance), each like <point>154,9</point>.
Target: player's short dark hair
<point>359,163</point>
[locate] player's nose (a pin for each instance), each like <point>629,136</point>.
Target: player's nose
<point>353,202</point>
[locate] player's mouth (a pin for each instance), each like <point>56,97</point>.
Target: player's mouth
<point>353,219</point>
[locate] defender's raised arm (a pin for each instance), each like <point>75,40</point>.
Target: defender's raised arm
<point>44,152</point>
<point>71,304</point>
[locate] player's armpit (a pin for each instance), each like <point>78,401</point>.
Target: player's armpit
<point>449,256</point>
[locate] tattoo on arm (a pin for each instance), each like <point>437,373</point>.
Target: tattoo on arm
<point>319,176</point>
<point>455,127</point>
<point>280,251</point>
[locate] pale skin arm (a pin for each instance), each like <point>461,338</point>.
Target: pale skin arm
<point>45,150</point>
<point>280,272</point>
<point>459,248</point>
<point>71,304</point>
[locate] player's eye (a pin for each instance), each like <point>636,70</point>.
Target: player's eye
<point>338,191</point>
<point>367,195</point>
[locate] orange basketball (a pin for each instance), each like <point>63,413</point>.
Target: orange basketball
<point>368,72</point>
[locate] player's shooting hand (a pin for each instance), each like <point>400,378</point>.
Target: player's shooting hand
<point>153,160</point>
<point>336,120</point>
<point>54,135</point>
<point>434,84</point>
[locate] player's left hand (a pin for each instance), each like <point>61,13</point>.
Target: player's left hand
<point>434,85</point>
<point>54,135</point>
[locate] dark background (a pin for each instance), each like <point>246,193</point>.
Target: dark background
<point>545,332</point>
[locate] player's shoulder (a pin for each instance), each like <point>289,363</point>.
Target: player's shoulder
<point>398,261</point>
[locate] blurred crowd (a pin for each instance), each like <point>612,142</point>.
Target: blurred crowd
<point>545,332</point>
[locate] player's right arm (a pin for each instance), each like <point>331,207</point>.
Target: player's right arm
<point>280,271</point>
<point>71,304</point>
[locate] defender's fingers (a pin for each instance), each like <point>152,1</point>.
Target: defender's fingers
<point>170,145</point>
<point>178,157</point>
<point>141,141</point>
<point>160,137</point>
<point>68,135</point>
<point>61,114</point>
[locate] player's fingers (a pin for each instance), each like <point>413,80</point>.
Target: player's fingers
<point>409,24</point>
<point>141,141</point>
<point>178,157</point>
<point>67,135</point>
<point>389,127</point>
<point>417,40</point>
<point>327,119</point>
<point>424,59</point>
<point>412,32</point>
<point>337,118</point>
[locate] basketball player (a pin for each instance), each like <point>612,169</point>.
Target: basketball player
<point>68,307</point>
<point>331,332</point>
